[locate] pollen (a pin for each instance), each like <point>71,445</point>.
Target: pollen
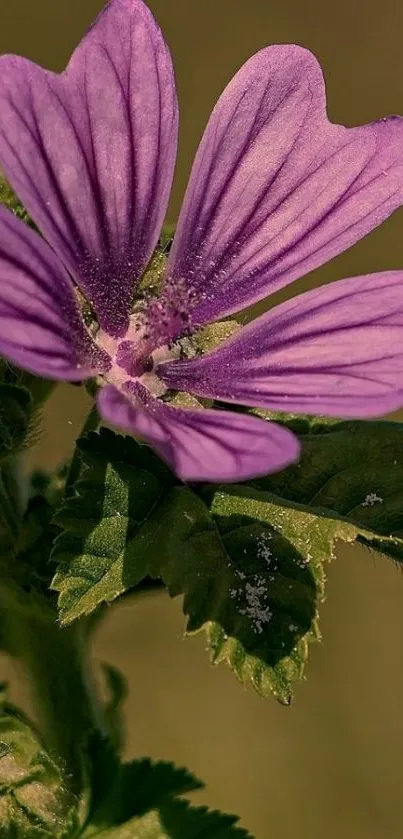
<point>156,325</point>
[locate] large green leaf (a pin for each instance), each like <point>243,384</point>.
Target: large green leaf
<point>257,609</point>
<point>276,581</point>
<point>118,497</point>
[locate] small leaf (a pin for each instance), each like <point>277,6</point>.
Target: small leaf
<point>175,819</point>
<point>181,821</point>
<point>153,782</point>
<point>137,787</point>
<point>34,802</point>
<point>140,799</point>
<point>31,568</point>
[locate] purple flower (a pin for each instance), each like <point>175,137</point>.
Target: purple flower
<point>275,191</point>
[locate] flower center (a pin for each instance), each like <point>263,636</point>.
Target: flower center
<point>155,325</point>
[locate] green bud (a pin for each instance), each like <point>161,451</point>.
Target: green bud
<point>34,801</point>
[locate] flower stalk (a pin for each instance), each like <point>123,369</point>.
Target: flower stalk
<point>55,664</point>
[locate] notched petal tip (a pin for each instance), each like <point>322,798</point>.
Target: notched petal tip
<point>276,189</point>
<point>91,152</point>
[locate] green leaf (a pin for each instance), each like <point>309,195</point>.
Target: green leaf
<point>32,568</point>
<point>252,566</point>
<point>29,533</point>
<point>176,819</point>
<point>348,485</point>
<point>140,799</point>
<point>133,789</point>
<point>352,468</point>
<point>274,584</point>
<point>152,782</point>
<point>117,498</point>
<point>257,614</point>
<point>249,580</point>
<point>34,802</point>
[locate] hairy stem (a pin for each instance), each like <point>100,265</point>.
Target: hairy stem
<point>55,663</point>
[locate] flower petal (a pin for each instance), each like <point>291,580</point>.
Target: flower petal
<point>202,445</point>
<point>276,189</point>
<point>335,350</point>
<point>41,329</point>
<point>91,152</point>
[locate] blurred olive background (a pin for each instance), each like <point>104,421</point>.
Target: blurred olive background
<point>331,764</point>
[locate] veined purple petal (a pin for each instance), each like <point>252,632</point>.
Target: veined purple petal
<point>276,189</point>
<point>91,152</point>
<point>41,329</point>
<point>202,445</point>
<point>336,350</point>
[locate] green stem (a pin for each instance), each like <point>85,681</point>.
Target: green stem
<point>55,662</point>
<point>11,501</point>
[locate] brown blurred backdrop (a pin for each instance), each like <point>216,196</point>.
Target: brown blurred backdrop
<point>331,765</point>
